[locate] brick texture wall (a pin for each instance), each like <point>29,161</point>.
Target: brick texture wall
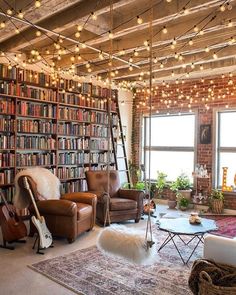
<point>202,96</point>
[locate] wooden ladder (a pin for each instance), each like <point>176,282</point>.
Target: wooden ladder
<point>121,161</point>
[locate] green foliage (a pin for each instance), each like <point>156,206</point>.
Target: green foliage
<point>216,195</point>
<point>161,182</point>
<point>182,201</point>
<point>182,182</point>
<point>140,185</point>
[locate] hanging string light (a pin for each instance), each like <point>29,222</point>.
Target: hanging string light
<point>37,3</point>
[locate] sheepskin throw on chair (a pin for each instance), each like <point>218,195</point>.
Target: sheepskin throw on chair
<point>48,185</point>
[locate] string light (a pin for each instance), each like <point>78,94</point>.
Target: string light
<point>207,49</point>
<point>196,29</point>
<point>2,25</point>
<point>135,53</point>
<point>21,14</point>
<point>139,20</point>
<point>111,35</point>
<point>230,24</point>
<point>37,3</point>
<point>190,42</point>
<point>77,34</point>
<point>77,48</point>
<point>222,8</point>
<point>9,11</point>
<point>215,55</point>
<point>94,16</point>
<point>38,33</point>
<point>101,55</point>
<point>164,30</point>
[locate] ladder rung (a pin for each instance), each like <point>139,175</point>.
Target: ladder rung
<point>121,157</point>
<point>120,144</point>
<point>123,170</point>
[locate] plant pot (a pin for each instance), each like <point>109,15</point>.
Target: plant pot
<point>182,208</point>
<point>172,204</point>
<point>217,206</point>
<point>186,193</point>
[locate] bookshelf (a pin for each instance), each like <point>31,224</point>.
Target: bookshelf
<point>60,125</point>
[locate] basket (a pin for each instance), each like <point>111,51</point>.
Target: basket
<point>206,287</point>
<point>217,206</point>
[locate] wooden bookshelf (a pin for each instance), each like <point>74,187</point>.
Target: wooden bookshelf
<point>58,125</point>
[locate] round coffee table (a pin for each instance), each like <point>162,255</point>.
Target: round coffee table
<point>181,227</point>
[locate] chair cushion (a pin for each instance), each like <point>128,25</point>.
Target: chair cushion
<point>117,204</point>
<point>83,211</point>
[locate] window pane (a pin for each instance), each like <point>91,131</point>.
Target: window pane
<point>227,160</point>
<point>172,131</point>
<point>171,163</point>
<point>227,122</point>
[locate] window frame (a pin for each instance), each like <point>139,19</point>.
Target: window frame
<point>217,148</point>
<point>145,146</point>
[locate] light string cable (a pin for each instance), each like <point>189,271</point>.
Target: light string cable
<point>148,236</point>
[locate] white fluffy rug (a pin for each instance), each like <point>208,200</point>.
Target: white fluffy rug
<point>129,243</point>
<point>48,186</point>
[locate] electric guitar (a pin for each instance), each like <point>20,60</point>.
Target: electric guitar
<point>13,228</point>
<point>45,236</point>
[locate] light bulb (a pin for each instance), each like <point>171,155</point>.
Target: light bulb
<point>77,34</point>
<point>145,43</point>
<point>139,20</point>
<point>77,48</point>
<point>196,29</point>
<point>79,28</point>
<point>83,45</point>
<point>201,32</point>
<point>222,8</point>
<point>130,68</point>
<point>20,14</point>
<point>93,15</point>
<point>9,11</point>
<point>79,57</point>
<point>87,65</point>
<point>207,49</point>
<point>164,30</point>
<point>2,25</point>
<point>110,34</point>
<point>230,24</point>
<point>72,58</point>
<point>161,65</point>
<point>215,56</point>
<point>37,3</point>
<point>190,42</point>
<point>135,53</point>
<point>38,33</point>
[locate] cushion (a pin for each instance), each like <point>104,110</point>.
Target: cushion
<point>117,204</point>
<point>83,211</point>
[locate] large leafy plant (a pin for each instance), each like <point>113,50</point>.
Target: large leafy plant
<point>182,182</point>
<point>161,182</point>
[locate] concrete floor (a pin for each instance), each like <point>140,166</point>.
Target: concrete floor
<point>17,278</point>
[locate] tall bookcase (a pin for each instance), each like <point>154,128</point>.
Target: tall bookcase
<point>60,125</point>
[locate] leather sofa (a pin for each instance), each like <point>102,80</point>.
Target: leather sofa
<point>68,217</point>
<point>118,204</point>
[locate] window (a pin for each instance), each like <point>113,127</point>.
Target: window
<point>226,147</point>
<point>172,145</point>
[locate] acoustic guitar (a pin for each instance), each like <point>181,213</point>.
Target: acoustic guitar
<point>45,237</point>
<point>13,228</point>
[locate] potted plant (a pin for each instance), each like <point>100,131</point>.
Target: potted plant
<point>216,201</point>
<point>183,202</point>
<point>182,185</point>
<point>161,183</point>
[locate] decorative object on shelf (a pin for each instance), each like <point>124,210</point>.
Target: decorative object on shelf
<point>216,201</point>
<point>225,187</point>
<point>194,218</point>
<point>205,134</point>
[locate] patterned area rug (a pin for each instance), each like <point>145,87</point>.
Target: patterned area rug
<point>90,272</point>
<point>226,226</point>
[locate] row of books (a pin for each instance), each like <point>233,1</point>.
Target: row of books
<point>101,144</point>
<point>70,158</point>
<point>79,185</point>
<point>73,98</point>
<point>35,142</point>
<point>35,159</point>
<point>74,114</point>
<point>73,143</point>
<point>36,126</point>
<point>99,131</point>
<point>7,141</point>
<point>7,106</point>
<point>37,93</point>
<point>100,118</point>
<point>70,172</point>
<point>8,87</point>
<point>35,78</point>
<point>7,159</point>
<point>7,125</point>
<point>102,167</point>
<point>101,157</point>
<point>8,192</point>
<point>71,128</point>
<point>8,72</point>
<point>36,110</point>
<point>7,176</point>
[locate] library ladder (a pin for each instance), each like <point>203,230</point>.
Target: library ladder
<point>119,151</point>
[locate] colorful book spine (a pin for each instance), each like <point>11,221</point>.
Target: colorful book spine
<point>7,141</point>
<point>36,110</point>
<point>7,160</point>
<point>36,126</point>
<point>7,106</point>
<point>35,159</point>
<point>70,158</point>
<point>36,142</point>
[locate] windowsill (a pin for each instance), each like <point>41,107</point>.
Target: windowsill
<point>229,193</point>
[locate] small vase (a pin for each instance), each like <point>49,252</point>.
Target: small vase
<point>172,204</point>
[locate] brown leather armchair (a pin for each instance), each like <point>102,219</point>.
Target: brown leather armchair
<point>68,217</point>
<point>121,204</point>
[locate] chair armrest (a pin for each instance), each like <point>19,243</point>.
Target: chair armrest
<point>133,194</point>
<point>81,197</point>
<point>57,207</point>
<point>220,249</point>
<point>102,197</point>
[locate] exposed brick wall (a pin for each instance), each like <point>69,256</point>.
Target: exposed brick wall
<point>195,95</point>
